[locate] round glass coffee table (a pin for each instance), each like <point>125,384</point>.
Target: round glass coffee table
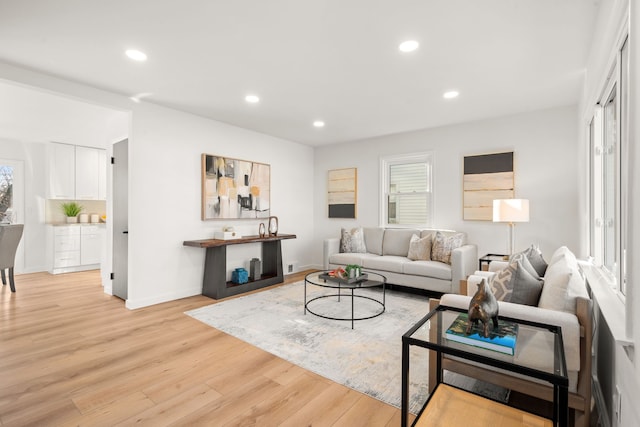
<point>348,289</point>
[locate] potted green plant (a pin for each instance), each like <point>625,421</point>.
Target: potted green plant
<point>71,210</point>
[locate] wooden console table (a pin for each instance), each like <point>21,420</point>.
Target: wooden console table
<point>214,283</point>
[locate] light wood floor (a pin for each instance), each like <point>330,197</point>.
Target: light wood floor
<point>72,355</point>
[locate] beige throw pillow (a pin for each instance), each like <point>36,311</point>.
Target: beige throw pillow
<point>442,246</point>
<point>420,248</point>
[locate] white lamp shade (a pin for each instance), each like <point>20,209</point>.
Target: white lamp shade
<point>511,210</point>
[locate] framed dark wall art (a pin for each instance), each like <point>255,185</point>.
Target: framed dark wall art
<point>235,189</point>
<point>486,177</point>
<point>342,192</point>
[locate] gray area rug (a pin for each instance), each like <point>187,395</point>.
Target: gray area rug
<point>366,358</point>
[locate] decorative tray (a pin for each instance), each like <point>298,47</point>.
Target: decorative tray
<point>360,278</point>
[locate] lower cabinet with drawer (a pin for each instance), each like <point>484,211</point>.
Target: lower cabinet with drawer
<point>76,247</point>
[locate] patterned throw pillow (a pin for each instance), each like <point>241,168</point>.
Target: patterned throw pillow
<point>352,241</point>
<point>502,283</point>
<point>419,248</point>
<point>442,246</point>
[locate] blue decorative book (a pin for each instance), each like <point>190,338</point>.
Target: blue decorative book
<point>501,339</point>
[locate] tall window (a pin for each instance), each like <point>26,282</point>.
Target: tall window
<point>407,190</point>
<point>608,170</point>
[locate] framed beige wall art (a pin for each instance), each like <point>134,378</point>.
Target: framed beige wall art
<point>235,189</point>
<point>486,177</point>
<point>342,192</point>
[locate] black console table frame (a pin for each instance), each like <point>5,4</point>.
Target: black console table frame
<point>214,283</point>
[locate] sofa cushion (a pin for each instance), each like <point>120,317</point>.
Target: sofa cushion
<point>433,269</point>
<point>386,263</point>
<point>563,283</point>
<point>373,239</point>
<point>396,241</point>
<point>526,287</point>
<point>556,281</point>
<point>352,241</point>
<point>564,254</point>
<point>442,246</point>
<point>349,258</point>
<point>420,248</point>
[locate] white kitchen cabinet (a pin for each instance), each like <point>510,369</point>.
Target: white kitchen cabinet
<point>87,167</point>
<point>66,246</point>
<point>90,244</point>
<point>62,168</point>
<point>77,173</point>
<point>76,247</point>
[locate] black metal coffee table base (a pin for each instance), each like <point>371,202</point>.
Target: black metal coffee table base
<point>314,280</point>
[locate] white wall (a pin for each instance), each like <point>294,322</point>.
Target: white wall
<point>164,188</point>
<point>544,145</point>
<point>164,202</point>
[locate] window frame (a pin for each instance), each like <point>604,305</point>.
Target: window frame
<point>386,162</point>
<point>609,257</point>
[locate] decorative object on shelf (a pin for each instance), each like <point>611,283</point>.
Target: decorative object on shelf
<point>83,218</point>
<point>95,218</point>
<point>254,269</point>
<point>511,211</point>
<point>342,189</point>
<point>273,226</point>
<point>71,211</point>
<point>483,307</point>
<point>233,188</point>
<point>486,177</point>
<point>239,276</point>
<point>227,233</point>
<point>262,230</point>
<point>502,339</point>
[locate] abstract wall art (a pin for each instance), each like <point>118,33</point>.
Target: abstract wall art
<point>342,192</point>
<point>234,189</point>
<point>486,177</point>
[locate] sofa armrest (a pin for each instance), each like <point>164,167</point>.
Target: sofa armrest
<point>567,321</point>
<point>464,261</point>
<point>331,246</point>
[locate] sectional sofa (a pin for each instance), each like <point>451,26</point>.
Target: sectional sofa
<point>434,260</point>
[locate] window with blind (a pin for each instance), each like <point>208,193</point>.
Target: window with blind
<point>407,198</point>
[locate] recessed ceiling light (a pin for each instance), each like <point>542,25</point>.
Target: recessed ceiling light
<point>451,94</point>
<point>252,99</point>
<point>318,124</point>
<point>136,55</point>
<point>408,46</point>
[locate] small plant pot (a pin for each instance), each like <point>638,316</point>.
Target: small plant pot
<point>72,219</point>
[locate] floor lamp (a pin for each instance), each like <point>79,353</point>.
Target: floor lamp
<point>511,211</point>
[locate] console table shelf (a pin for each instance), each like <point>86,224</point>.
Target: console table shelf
<point>214,283</point>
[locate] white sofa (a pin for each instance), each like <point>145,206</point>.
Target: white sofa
<point>565,302</point>
<point>387,251</point>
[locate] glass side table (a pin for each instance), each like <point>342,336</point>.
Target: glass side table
<point>488,258</point>
<point>549,366</point>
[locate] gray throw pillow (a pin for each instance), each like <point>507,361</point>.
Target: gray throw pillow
<point>526,288</point>
<point>535,258</point>
<point>522,257</point>
<point>352,241</point>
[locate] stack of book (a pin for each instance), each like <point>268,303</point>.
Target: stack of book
<point>501,339</point>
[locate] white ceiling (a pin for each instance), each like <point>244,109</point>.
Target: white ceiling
<point>334,60</point>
